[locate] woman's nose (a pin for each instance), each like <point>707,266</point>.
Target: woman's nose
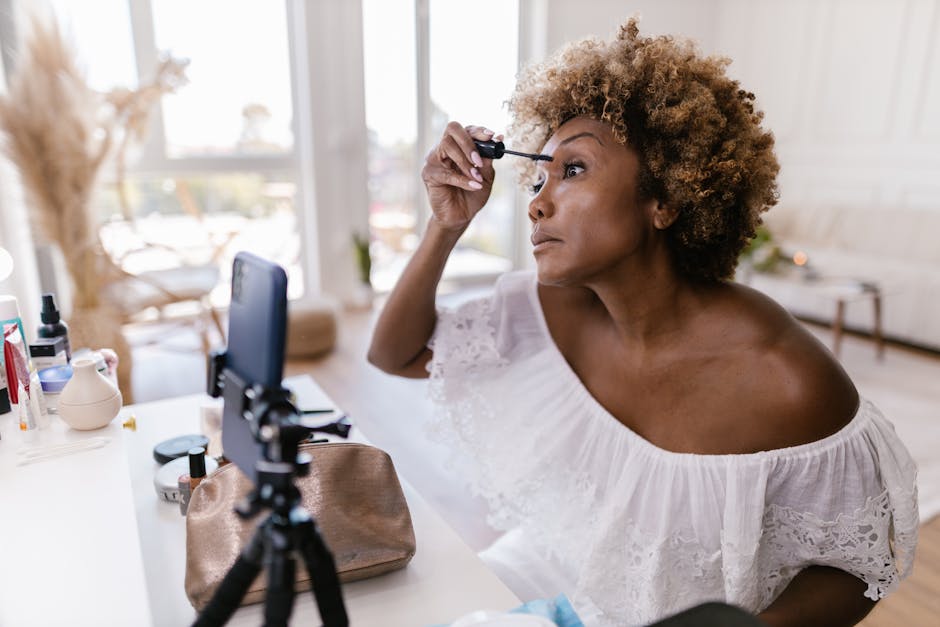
<point>540,206</point>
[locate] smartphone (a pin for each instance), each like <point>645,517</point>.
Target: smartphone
<point>257,328</point>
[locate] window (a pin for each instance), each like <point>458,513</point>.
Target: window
<point>218,172</point>
<point>420,74</point>
<point>270,83</point>
<point>107,61</point>
<point>239,97</point>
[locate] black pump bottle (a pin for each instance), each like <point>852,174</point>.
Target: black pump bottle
<point>52,325</point>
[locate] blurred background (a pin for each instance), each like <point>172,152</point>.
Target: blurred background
<point>303,125</point>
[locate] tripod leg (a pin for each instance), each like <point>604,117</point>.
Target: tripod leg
<point>323,578</point>
<point>232,590</point>
<point>279,603</point>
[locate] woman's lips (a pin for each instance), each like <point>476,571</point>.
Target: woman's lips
<point>540,239</point>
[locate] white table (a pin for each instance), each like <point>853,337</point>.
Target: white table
<point>101,566</point>
<point>69,551</point>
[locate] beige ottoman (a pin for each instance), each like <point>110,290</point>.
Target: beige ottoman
<point>311,328</point>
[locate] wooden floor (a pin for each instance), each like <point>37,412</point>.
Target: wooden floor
<point>390,410</point>
<point>917,599</point>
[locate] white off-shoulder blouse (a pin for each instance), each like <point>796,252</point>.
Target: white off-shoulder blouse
<point>632,532</point>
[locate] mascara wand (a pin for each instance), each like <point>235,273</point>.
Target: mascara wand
<point>496,150</point>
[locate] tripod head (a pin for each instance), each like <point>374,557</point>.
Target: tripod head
<point>268,428</point>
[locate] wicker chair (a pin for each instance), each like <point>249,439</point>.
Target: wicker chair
<point>137,296</point>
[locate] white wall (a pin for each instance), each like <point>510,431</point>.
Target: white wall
<point>851,88</point>
<point>572,19</point>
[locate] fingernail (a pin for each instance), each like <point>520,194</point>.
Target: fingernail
<point>475,185</point>
<point>475,157</point>
<point>476,174</point>
<point>487,131</point>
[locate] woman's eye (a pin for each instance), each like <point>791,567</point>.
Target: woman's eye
<point>573,169</point>
<point>536,188</point>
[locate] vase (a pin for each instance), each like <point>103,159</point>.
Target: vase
<point>89,400</point>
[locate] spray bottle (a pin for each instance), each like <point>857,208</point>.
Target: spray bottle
<point>52,325</point>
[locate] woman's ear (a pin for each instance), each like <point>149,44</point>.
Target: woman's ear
<point>664,215</point>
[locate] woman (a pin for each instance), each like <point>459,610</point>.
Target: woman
<point>651,435</point>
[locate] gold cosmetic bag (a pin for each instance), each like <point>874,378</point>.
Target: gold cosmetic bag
<point>352,492</point>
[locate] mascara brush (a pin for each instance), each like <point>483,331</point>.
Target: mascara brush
<point>496,150</point>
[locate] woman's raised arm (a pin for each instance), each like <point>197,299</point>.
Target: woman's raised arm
<point>458,183</point>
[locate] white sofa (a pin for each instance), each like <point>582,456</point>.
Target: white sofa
<point>897,249</point>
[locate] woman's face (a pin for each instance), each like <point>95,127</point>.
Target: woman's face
<point>586,215</point>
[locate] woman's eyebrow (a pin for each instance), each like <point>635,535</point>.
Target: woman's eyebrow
<point>568,140</point>
<point>579,136</point>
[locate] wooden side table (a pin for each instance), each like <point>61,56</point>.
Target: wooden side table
<point>844,291</point>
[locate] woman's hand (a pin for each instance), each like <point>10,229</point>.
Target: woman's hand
<point>458,180</point>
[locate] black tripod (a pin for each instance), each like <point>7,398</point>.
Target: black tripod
<point>289,527</point>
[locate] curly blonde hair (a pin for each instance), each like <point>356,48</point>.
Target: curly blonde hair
<point>702,149</point>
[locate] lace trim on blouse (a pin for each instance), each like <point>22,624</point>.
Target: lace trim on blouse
<point>866,543</point>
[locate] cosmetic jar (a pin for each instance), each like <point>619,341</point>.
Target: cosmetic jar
<point>53,380</point>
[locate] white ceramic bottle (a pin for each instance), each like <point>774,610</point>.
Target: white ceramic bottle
<point>89,400</point>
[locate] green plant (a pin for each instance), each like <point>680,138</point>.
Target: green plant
<point>761,237</point>
<point>762,252</point>
<point>363,258</point>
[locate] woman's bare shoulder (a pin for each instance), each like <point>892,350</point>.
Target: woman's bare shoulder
<point>794,384</point>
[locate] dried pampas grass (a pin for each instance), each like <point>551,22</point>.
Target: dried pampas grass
<point>130,113</point>
<point>50,120</point>
<point>59,131</point>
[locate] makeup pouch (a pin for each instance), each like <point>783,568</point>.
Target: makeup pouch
<point>353,493</point>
